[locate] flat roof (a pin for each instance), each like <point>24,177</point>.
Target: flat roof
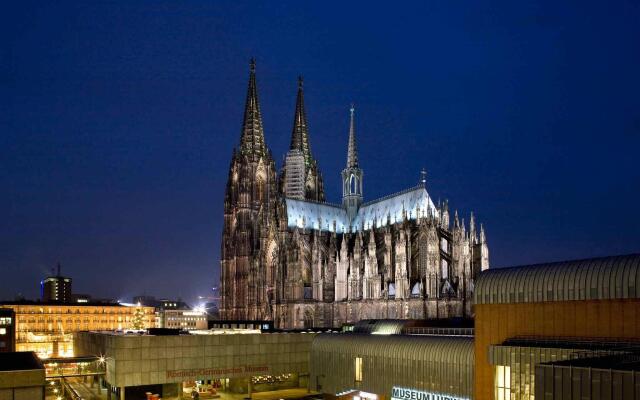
<point>19,361</point>
<point>624,362</point>
<point>63,304</point>
<point>198,332</point>
<point>568,342</point>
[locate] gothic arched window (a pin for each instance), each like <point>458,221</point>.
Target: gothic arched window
<point>260,190</point>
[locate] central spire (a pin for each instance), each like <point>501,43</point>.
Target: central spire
<point>252,138</point>
<point>300,133</point>
<point>352,152</point>
<point>352,174</point>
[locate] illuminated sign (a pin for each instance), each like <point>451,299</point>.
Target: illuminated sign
<point>218,372</point>
<point>398,393</point>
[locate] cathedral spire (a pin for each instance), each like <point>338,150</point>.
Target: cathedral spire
<point>300,133</point>
<point>252,138</point>
<point>352,153</point>
<point>352,174</point>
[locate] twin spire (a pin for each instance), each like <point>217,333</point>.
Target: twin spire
<point>300,133</point>
<point>252,137</point>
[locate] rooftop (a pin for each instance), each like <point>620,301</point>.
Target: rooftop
<point>566,342</point>
<point>414,202</point>
<point>57,303</point>
<point>613,277</point>
<point>626,362</point>
<point>19,361</point>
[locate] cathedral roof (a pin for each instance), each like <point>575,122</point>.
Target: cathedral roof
<point>315,215</point>
<point>414,201</point>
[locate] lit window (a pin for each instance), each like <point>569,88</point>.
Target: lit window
<point>503,382</point>
<point>3,331</point>
<point>358,369</point>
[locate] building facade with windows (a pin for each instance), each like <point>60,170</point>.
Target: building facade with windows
<point>290,257</point>
<point>47,328</point>
<point>7,330</point>
<point>174,314</point>
<point>186,319</point>
<point>56,288</point>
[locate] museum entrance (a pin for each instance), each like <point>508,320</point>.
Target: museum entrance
<point>261,387</point>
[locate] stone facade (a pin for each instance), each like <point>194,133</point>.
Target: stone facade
<point>290,257</point>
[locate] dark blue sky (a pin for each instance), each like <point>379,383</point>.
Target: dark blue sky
<point>117,123</point>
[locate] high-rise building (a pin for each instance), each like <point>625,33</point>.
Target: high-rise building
<point>292,258</point>
<point>56,288</point>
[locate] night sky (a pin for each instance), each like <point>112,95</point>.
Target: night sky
<point>117,124</point>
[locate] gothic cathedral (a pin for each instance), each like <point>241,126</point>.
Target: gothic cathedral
<point>291,257</point>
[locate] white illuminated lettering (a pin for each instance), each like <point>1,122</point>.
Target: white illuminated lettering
<point>398,393</point>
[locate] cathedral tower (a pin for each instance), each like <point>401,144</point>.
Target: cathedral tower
<point>352,174</point>
<point>301,177</point>
<point>250,200</point>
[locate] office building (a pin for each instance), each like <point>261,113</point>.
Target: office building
<point>56,288</point>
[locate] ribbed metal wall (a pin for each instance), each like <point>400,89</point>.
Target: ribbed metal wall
<point>429,363</point>
<point>556,382</point>
<point>615,277</point>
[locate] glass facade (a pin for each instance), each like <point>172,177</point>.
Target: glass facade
<point>515,366</point>
<point>358,369</point>
<point>503,383</point>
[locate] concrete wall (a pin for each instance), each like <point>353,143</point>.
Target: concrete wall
<point>22,385</point>
<point>148,360</point>
<point>494,323</point>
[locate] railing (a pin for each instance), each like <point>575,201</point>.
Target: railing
<point>70,392</point>
<point>594,343</point>
<point>418,330</point>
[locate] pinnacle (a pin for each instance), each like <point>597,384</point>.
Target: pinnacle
<point>300,132</point>
<point>252,137</point>
<point>352,152</point>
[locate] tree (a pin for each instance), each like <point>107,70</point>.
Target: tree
<point>138,318</point>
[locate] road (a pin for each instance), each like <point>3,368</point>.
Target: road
<point>86,391</point>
